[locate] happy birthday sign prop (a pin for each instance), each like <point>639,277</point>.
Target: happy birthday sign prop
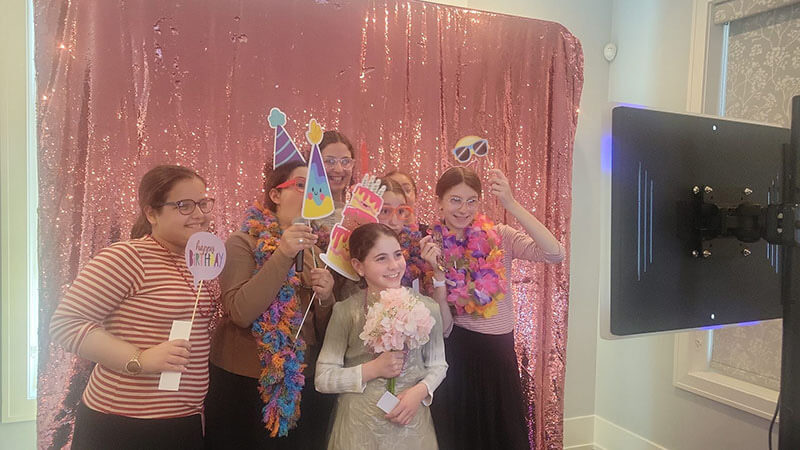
<point>205,258</point>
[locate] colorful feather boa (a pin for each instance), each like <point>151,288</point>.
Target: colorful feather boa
<point>281,357</point>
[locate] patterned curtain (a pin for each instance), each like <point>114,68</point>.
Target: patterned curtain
<point>729,10</point>
<point>762,76</point>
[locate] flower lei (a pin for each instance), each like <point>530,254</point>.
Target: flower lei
<point>416,267</point>
<point>282,380</point>
<point>473,268</point>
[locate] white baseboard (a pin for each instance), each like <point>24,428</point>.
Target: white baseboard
<point>596,433</point>
<point>579,433</point>
<point>612,436</point>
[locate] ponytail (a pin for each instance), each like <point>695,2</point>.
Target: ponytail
<point>141,227</point>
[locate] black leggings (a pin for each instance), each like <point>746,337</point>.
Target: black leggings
<point>95,430</point>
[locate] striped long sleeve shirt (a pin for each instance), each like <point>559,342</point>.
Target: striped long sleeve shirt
<point>134,290</point>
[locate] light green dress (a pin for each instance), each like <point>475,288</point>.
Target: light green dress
<point>358,422</point>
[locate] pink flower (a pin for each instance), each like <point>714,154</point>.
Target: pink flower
<point>479,247</point>
<point>488,283</point>
<point>452,253</point>
<point>397,321</point>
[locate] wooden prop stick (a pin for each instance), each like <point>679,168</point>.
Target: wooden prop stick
<point>313,258</point>
<point>197,300</point>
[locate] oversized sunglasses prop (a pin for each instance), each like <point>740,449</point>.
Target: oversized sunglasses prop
<point>468,146</point>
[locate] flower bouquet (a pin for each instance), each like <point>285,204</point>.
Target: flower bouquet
<point>397,321</point>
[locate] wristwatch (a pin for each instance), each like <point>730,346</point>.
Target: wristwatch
<point>438,284</point>
<point>134,367</point>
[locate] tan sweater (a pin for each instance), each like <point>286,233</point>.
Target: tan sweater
<point>245,295</point>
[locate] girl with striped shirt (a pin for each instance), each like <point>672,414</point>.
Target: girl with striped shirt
<point>118,313</point>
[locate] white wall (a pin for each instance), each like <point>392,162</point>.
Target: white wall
<point>13,435</point>
<point>652,63</point>
<point>634,376</point>
<point>18,435</point>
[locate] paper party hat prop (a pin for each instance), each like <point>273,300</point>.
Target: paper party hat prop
<point>317,198</point>
<point>285,150</point>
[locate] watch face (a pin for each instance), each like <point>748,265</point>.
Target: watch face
<point>133,367</point>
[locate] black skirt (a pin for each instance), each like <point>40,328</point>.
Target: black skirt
<point>233,414</point>
<point>95,430</point>
<point>480,404</point>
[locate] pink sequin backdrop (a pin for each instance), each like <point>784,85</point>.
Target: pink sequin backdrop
<point>123,86</point>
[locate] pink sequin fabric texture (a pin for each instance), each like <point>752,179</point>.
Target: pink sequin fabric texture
<point>123,86</point>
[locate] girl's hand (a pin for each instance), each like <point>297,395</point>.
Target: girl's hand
<point>386,365</point>
<point>170,356</point>
<point>295,238</point>
<point>322,284</point>
<point>410,399</point>
<point>431,252</point>
<point>498,185</point>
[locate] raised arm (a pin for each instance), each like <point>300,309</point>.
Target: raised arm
<point>552,250</point>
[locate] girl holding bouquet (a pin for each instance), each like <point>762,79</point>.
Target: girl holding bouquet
<point>481,403</point>
<point>354,361</point>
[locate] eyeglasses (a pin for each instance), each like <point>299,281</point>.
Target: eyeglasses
<point>478,148</point>
<point>188,205</point>
<point>403,213</point>
<point>457,202</point>
<point>298,183</point>
<point>345,162</point>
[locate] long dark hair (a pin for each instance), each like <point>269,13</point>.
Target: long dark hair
<point>276,177</point>
<point>153,190</point>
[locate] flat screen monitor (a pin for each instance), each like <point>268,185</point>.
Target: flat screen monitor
<point>659,280</point>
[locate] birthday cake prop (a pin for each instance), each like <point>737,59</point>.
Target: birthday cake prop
<point>365,204</point>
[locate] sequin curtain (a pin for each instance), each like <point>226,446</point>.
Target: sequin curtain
<point>125,85</point>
